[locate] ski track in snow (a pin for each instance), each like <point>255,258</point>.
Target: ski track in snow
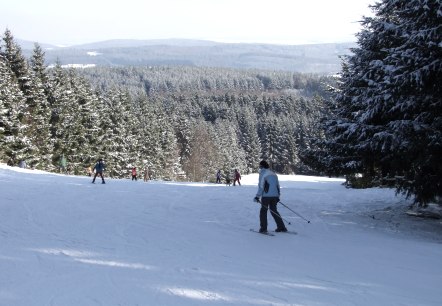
<point>65,241</point>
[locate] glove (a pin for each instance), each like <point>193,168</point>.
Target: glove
<point>256,199</point>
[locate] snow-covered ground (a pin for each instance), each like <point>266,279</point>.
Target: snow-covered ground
<point>67,242</point>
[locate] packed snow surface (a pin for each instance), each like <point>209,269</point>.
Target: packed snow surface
<point>67,242</point>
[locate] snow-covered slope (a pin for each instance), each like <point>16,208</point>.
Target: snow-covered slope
<point>67,242</point>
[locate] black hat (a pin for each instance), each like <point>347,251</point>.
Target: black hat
<point>264,164</point>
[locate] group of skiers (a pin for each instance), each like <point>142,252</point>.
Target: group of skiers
<point>146,175</point>
<point>236,178</point>
<point>100,167</point>
<point>267,195</point>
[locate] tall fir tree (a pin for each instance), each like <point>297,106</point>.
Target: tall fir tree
<point>412,100</point>
<point>12,103</point>
<point>63,114</point>
<point>15,60</point>
<point>40,112</point>
<point>388,117</point>
<point>84,124</point>
<point>248,138</point>
<point>117,141</point>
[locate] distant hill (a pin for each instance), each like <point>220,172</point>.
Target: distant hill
<point>29,45</point>
<point>314,58</point>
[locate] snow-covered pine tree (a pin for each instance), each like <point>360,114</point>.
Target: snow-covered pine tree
<point>388,123</point>
<point>85,125</point>
<point>64,112</point>
<point>412,100</point>
<point>156,138</point>
<point>169,160</point>
<point>287,147</point>
<point>15,60</point>
<point>115,141</point>
<point>40,153</point>
<point>230,154</point>
<point>25,149</point>
<point>248,138</point>
<point>270,137</point>
<point>12,103</point>
<point>40,147</point>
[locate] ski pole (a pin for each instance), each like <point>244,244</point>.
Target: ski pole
<point>278,214</point>
<point>308,221</point>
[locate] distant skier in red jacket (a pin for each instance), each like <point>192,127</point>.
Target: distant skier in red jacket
<point>237,178</point>
<point>134,173</point>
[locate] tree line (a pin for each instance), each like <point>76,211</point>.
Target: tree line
<point>180,122</point>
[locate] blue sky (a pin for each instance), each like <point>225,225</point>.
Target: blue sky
<point>266,21</point>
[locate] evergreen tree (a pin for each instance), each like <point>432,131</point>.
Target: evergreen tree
<point>37,63</point>
<point>248,138</point>
<point>169,161</point>
<point>39,113</point>
<point>14,59</point>
<point>229,153</point>
<point>158,150</point>
<point>84,127</point>
<point>388,119</point>
<point>269,137</point>
<point>63,115</point>
<point>40,148</point>
<point>287,149</point>
<point>117,141</point>
<point>411,104</point>
<point>12,102</point>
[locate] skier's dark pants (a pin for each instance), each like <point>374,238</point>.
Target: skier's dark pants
<point>101,174</point>
<point>265,204</point>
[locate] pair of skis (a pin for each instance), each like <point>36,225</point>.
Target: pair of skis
<point>271,233</point>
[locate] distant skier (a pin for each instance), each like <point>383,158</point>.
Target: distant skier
<point>237,178</point>
<point>98,169</point>
<point>269,191</point>
<point>134,173</point>
<point>218,177</point>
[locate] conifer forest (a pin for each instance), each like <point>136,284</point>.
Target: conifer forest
<point>179,122</point>
<point>378,121</point>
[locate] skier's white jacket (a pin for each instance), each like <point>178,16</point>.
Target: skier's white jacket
<point>268,185</point>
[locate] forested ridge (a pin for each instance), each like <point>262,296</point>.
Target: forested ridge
<point>317,58</point>
<point>179,122</point>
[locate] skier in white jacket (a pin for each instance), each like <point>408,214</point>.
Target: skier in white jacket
<point>268,195</point>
